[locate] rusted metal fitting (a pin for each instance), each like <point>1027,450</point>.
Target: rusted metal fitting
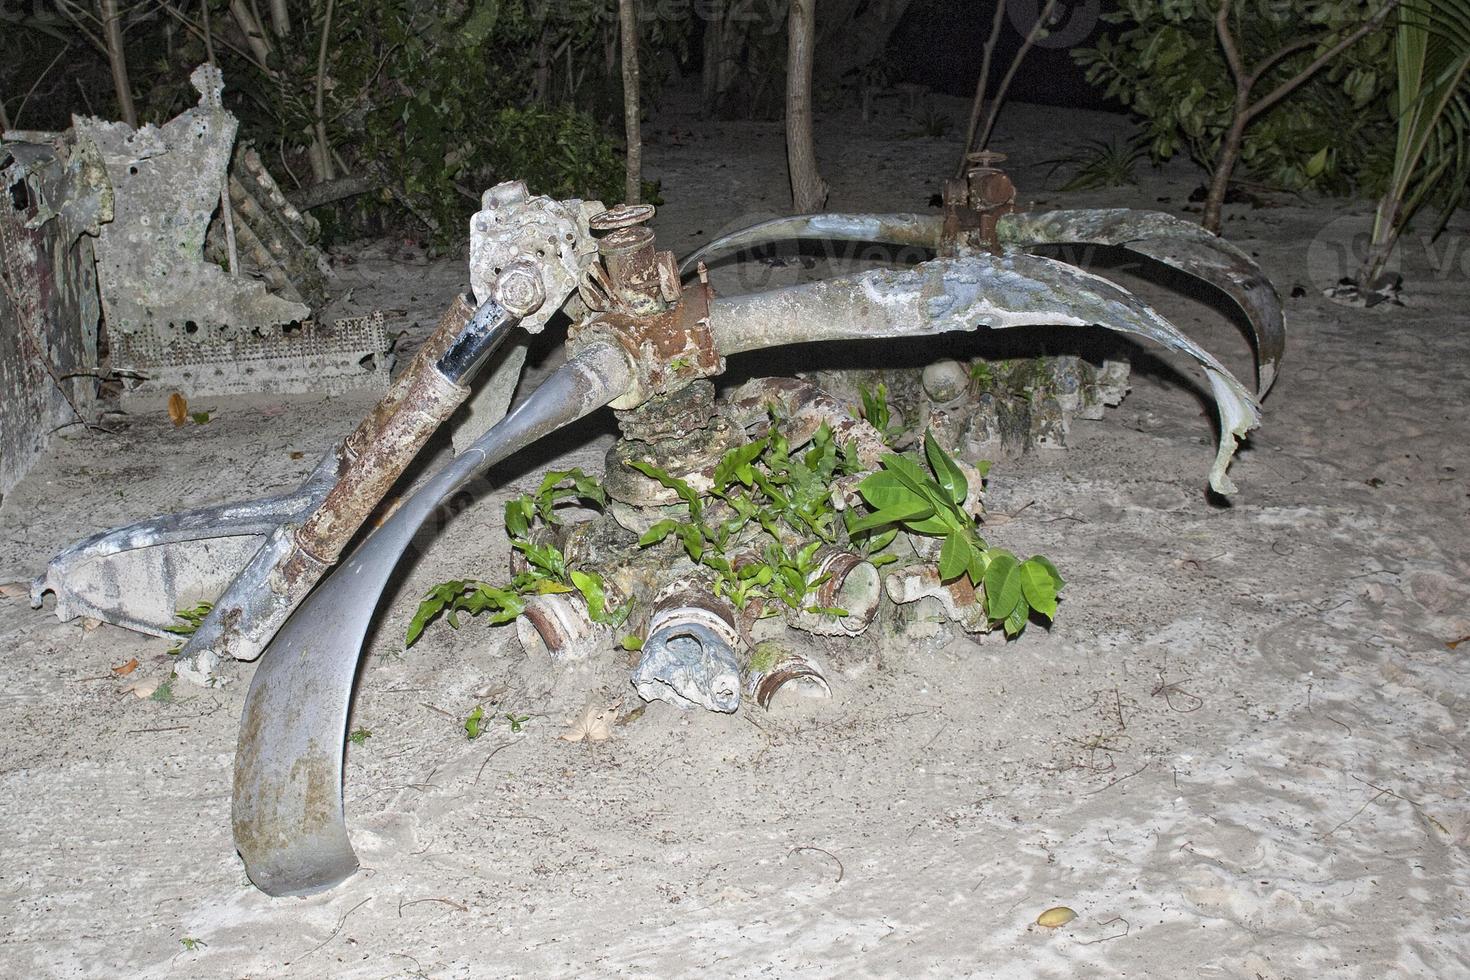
<point>668,349</point>
<point>974,204</point>
<point>622,216</point>
<point>634,276</point>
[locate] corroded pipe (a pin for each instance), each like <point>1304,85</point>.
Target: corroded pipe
<point>558,625</point>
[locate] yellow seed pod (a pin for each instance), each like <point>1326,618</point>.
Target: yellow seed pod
<point>1055,917</point>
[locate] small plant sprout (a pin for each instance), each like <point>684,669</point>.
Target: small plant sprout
<point>546,570</point>
<point>359,735</point>
<point>516,721</point>
<point>191,944</point>
<point>474,725</point>
<point>902,494</point>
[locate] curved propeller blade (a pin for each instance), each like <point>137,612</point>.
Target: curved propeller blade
<point>1179,244</point>
<point>922,230</point>
<point>288,814</point>
<point>965,293</point>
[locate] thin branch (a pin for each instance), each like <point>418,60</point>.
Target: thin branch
<point>981,85</point>
<point>1227,44</point>
<point>1005,83</point>
<point>1290,85</point>
<point>324,148</point>
<point>44,72</point>
<point>76,21</point>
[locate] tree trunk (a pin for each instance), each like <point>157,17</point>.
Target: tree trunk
<point>714,52</point>
<point>255,37</point>
<point>323,148</point>
<point>628,16</point>
<point>1387,228</point>
<point>280,18</point>
<point>808,191</point>
<point>1225,164</point>
<point>112,34</point>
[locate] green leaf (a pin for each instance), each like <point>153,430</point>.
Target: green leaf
<point>631,642</point>
<point>1015,623</point>
<point>671,482</point>
<point>954,557</point>
<point>1002,584</point>
<point>472,724</point>
<point>1051,569</point>
<point>736,464</point>
<point>591,588</point>
<point>657,533</point>
<point>898,514</point>
<point>945,470</point>
<point>883,489</point>
<point>1039,588</point>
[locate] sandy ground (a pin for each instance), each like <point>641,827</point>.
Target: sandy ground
<point>1240,751</point>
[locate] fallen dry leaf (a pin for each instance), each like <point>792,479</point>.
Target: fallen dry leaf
<point>127,668</point>
<point>89,624</point>
<point>142,688</point>
<point>594,724</point>
<point>14,590</point>
<point>178,409</point>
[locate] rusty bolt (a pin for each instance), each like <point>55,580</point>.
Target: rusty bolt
<point>622,216</point>
<point>519,289</point>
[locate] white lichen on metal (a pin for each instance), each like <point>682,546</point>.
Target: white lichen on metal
<point>55,194</point>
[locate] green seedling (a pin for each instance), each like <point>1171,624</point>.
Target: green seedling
<point>516,721</point>
<point>473,725</point>
<point>359,736</point>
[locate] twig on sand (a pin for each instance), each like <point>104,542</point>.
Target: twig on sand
<point>1127,928</point>
<point>1373,799</point>
<point>1119,779</point>
<point>808,847</point>
<point>1167,690</point>
<point>493,751</point>
<point>419,901</point>
<point>340,923</point>
<point>1398,796</point>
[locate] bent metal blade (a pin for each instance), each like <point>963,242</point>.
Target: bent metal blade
<point>288,815</point>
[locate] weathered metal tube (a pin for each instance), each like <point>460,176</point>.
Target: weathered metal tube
<point>559,626</point>
<point>293,559</point>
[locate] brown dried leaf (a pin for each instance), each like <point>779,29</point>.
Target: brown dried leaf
<point>127,668</point>
<point>143,687</point>
<point>14,590</point>
<point>178,409</point>
<point>594,723</point>
<point>89,624</point>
